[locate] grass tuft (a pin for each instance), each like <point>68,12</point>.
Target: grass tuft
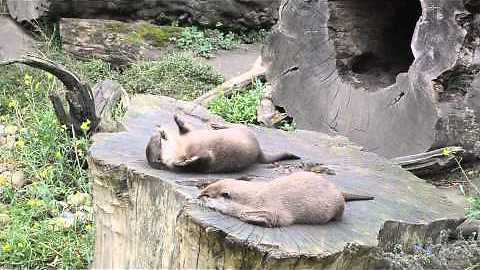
<point>177,75</point>
<point>241,107</point>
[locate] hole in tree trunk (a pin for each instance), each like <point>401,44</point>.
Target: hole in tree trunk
<point>372,39</point>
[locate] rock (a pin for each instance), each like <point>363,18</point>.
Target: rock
<point>15,41</point>
<point>229,13</point>
<point>68,218</point>
<point>9,142</point>
<point>111,100</point>
<point>117,42</point>
<point>156,214</point>
<point>18,179</point>
<point>11,130</point>
<point>336,68</point>
<point>79,199</point>
<point>235,62</point>
<point>61,223</point>
<point>4,220</point>
<point>469,229</point>
<point>267,114</point>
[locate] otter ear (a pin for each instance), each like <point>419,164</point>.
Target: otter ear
<point>181,125</point>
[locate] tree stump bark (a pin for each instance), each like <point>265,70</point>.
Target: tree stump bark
<point>393,76</point>
<point>149,218</point>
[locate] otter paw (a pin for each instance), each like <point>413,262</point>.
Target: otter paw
<point>260,217</point>
<point>186,162</point>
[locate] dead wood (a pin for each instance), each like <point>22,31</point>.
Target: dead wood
<point>79,97</point>
<point>234,85</point>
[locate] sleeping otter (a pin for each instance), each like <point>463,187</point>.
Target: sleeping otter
<point>299,198</point>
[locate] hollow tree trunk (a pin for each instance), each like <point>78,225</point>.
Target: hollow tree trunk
<point>149,218</point>
<point>229,13</point>
<point>393,76</point>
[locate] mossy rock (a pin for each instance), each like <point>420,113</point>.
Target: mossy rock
<point>119,43</point>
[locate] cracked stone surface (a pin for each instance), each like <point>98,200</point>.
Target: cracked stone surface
<point>149,218</point>
<point>399,82</point>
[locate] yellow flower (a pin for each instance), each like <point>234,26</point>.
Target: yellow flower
<point>13,103</point>
<point>88,227</point>
<point>20,144</point>
<point>58,155</point>
<point>3,181</point>
<point>37,86</point>
<point>446,151</point>
<point>85,125</point>
<point>45,172</point>
<point>27,79</point>
<point>35,203</point>
<point>6,248</point>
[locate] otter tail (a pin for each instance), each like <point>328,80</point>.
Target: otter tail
<point>354,197</point>
<point>264,158</point>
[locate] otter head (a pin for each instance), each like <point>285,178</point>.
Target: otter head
<point>154,148</point>
<point>229,189</point>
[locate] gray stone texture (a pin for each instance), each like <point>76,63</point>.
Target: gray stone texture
<point>348,67</point>
<point>230,13</point>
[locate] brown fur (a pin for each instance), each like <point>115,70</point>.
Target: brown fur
<point>220,149</point>
<point>299,198</point>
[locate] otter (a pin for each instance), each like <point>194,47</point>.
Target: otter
<point>298,198</point>
<point>218,149</point>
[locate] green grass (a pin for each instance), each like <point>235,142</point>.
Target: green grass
<point>474,209</point>
<point>207,41</point>
<point>241,107</point>
<point>36,221</point>
<point>35,232</point>
<point>177,75</point>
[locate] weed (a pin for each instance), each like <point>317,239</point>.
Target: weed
<point>177,75</point>
<point>254,36</point>
<point>35,232</point>
<point>205,42</point>
<point>474,209</point>
<point>287,126</point>
<point>241,107</point>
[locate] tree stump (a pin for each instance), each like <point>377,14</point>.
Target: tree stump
<point>393,76</point>
<point>149,218</point>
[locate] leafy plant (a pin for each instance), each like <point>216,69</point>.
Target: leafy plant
<point>205,42</point>
<point>474,210</point>
<point>241,107</point>
<point>177,75</point>
<point>35,231</point>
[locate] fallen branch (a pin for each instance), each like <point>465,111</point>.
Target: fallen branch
<point>233,85</point>
<point>79,95</point>
<point>428,159</point>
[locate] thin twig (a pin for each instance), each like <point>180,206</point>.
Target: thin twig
<point>466,177</point>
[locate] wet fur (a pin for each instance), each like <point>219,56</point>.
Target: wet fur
<point>220,149</point>
<point>299,198</point>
